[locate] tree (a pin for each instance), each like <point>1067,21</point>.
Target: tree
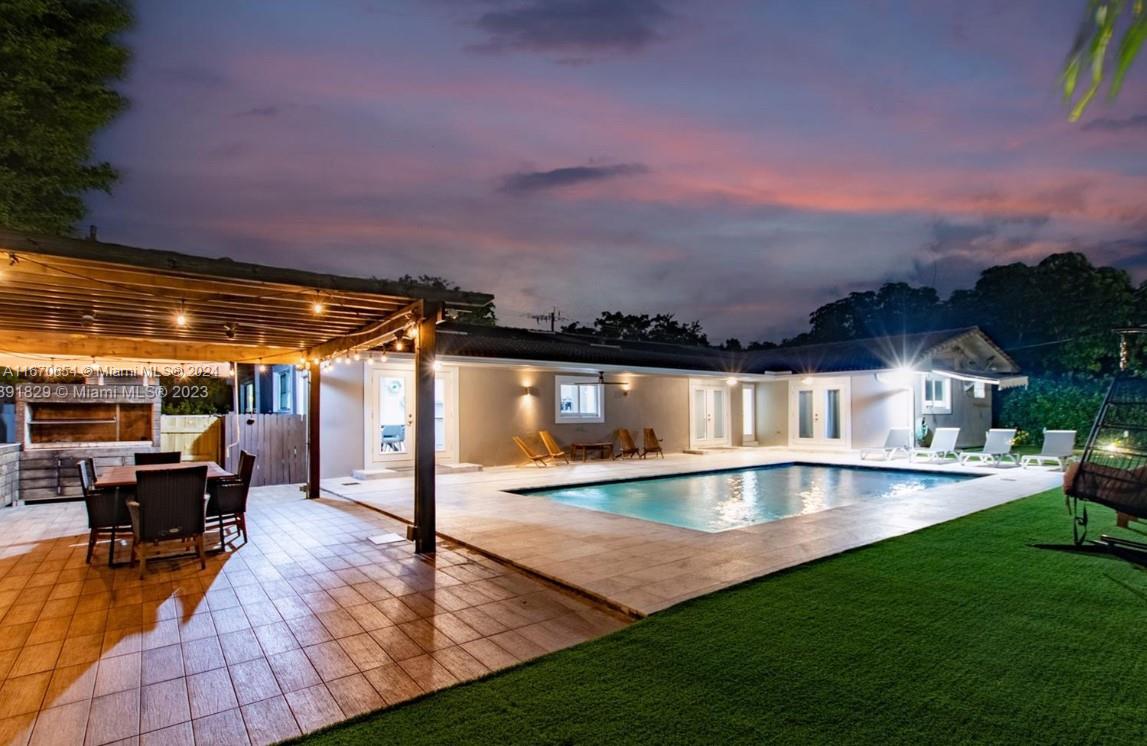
<point>482,317</point>
<point>1057,316</point>
<point>896,308</point>
<point>1103,21</point>
<point>56,60</point>
<point>662,327</point>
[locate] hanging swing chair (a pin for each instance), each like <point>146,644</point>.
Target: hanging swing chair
<point>1113,469</point>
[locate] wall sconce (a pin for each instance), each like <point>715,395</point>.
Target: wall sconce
<point>625,388</point>
<point>529,391</point>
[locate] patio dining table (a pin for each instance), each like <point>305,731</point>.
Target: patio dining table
<point>124,476</point>
<point>117,477</point>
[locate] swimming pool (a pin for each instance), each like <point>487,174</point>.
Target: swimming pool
<point>734,498</point>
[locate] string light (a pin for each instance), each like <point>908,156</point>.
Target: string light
<point>181,315</point>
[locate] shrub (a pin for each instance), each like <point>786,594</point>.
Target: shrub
<point>1053,403</point>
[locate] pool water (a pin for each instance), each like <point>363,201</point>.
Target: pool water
<point>721,500</point>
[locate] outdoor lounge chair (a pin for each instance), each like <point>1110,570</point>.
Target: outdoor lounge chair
<point>147,458</point>
<point>997,447</point>
<point>627,446</point>
<point>552,447</point>
<point>898,440</point>
<point>943,445</point>
<point>169,505</point>
<point>538,459</point>
<point>107,511</point>
<point>1058,448</point>
<point>651,443</point>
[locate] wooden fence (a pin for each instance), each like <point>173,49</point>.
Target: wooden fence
<point>198,436</point>
<point>279,442</point>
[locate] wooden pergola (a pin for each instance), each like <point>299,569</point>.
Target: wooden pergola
<point>109,301</point>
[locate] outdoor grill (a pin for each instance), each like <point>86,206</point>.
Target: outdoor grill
<point>61,423</point>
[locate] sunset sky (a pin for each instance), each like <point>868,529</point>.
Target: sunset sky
<point>734,162</point>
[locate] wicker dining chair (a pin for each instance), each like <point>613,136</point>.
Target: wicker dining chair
<point>107,511</point>
<point>147,458</point>
<point>227,501</point>
<point>169,505</point>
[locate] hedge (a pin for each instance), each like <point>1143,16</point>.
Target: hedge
<point>1052,403</point>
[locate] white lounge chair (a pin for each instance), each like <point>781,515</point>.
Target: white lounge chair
<point>899,440</point>
<point>997,447</point>
<point>943,445</point>
<point>1058,448</point>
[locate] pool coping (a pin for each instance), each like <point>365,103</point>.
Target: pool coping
<point>780,464</point>
<point>640,567</point>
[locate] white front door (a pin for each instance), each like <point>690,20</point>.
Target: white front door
<point>819,412</point>
<point>390,415</point>
<point>708,414</point>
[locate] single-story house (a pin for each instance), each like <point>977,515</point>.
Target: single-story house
<point>496,382</point>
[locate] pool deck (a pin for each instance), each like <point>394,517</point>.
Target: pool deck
<point>641,567</point>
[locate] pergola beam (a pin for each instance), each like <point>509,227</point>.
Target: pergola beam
<point>375,332</point>
<point>47,344</point>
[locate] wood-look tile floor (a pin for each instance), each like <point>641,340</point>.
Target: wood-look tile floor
<point>307,624</point>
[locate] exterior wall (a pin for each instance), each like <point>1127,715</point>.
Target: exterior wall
<point>493,408</point>
<point>973,416</point>
<point>876,407</point>
<point>772,413</point>
<point>9,473</point>
<point>342,409</point>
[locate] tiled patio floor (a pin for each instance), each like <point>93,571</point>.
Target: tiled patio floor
<point>306,625</point>
<point>644,567</point>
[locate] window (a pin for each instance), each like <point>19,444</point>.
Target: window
<point>937,398</point>
<point>579,399</point>
<point>748,413</point>
<point>284,389</point>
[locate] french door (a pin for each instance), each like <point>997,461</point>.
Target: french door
<point>390,415</point>
<point>819,412</point>
<point>708,414</point>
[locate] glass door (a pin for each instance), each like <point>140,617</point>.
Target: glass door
<point>819,412</point>
<point>708,414</point>
<point>393,431</point>
<point>390,415</point>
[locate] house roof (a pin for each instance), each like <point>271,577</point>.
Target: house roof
<point>873,353</point>
<point>468,340</point>
<point>497,342</point>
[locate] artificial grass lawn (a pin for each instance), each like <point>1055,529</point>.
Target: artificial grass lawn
<point>960,632</point>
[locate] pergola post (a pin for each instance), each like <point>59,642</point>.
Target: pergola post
<point>425,345</point>
<point>314,381</point>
